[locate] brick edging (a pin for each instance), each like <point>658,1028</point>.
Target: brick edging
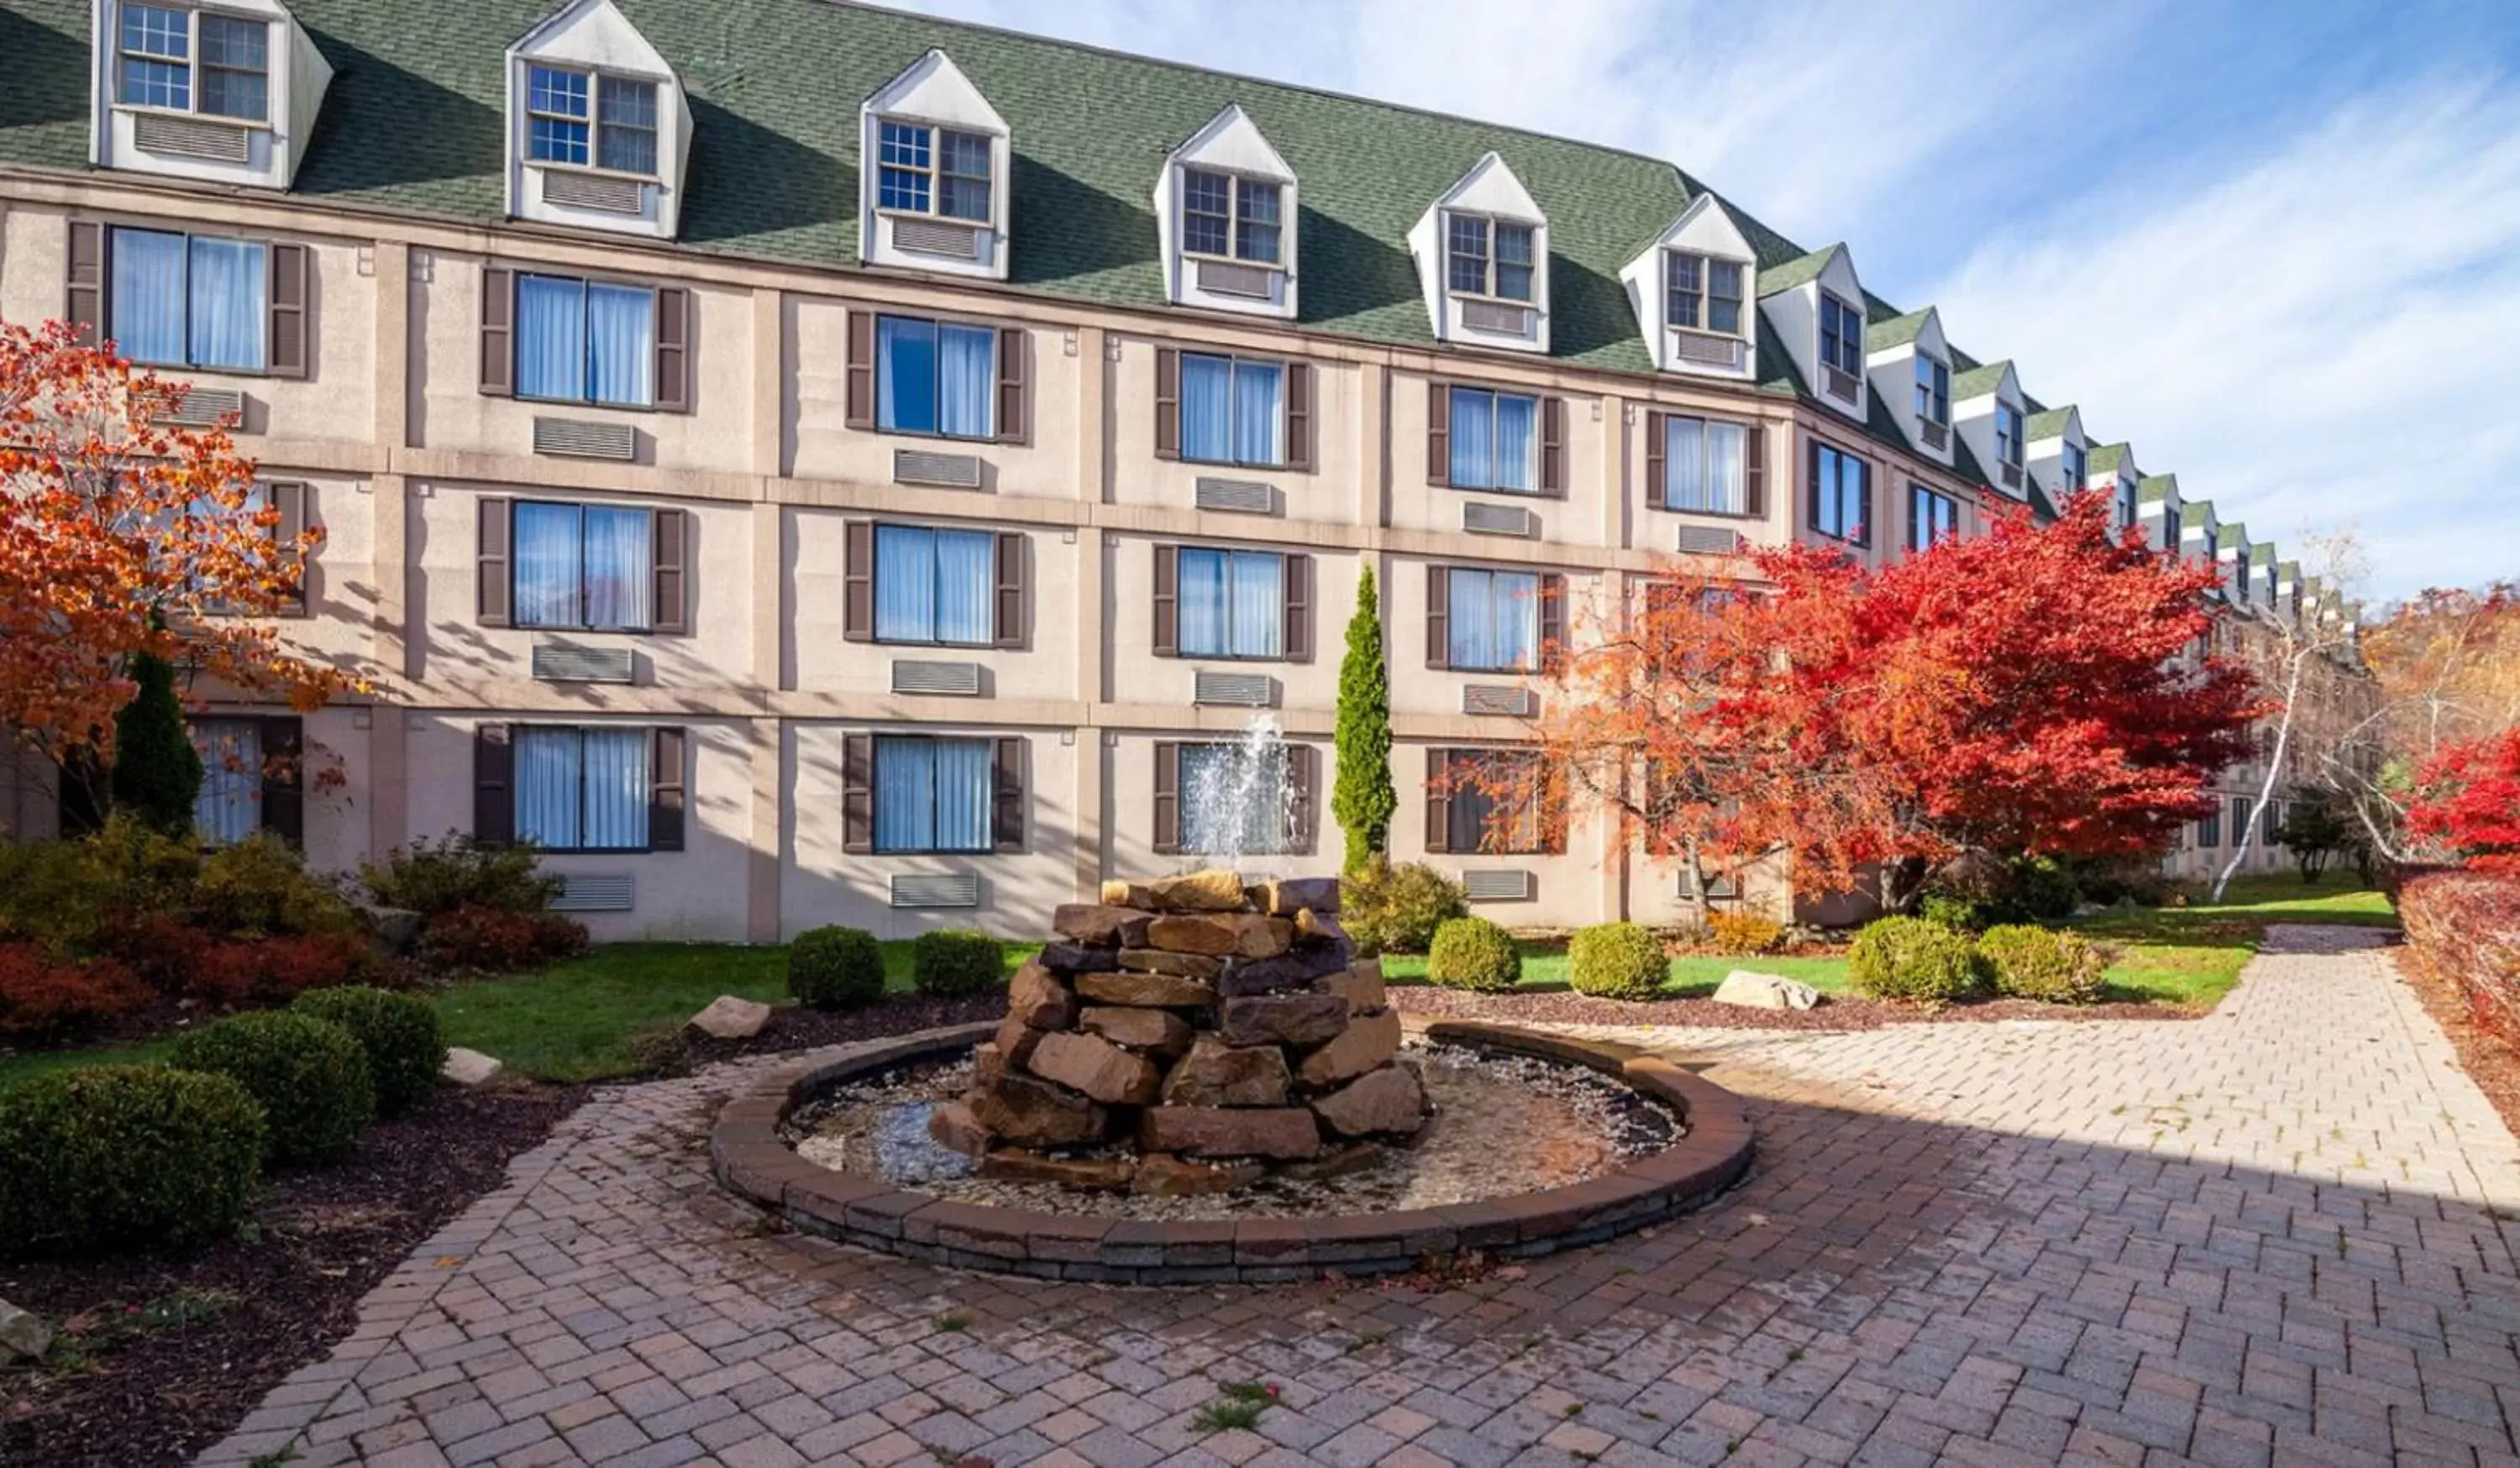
<point>748,1157</point>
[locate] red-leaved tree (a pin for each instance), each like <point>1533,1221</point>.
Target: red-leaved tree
<point>2467,802</point>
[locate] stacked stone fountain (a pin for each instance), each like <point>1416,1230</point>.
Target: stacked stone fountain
<point>1190,1035</point>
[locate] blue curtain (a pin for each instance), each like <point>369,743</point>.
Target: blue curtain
<point>620,344</point>
<point>1683,464</point>
<point>904,584</point>
<point>549,539</point>
<point>966,380</point>
<point>147,307</point>
<point>619,569</point>
<point>1207,409</point>
<point>1495,619</point>
<point>547,785</point>
<point>1256,603</point>
<point>905,389</point>
<point>1473,438</point>
<point>1724,479</point>
<point>1518,441</point>
<point>966,584</point>
<point>1472,619</point>
<point>616,790</point>
<point>227,808</point>
<point>966,784</point>
<point>1516,599</point>
<point>1203,618</point>
<point>932,794</point>
<point>227,287</point>
<point>550,339</point>
<point>1256,416</point>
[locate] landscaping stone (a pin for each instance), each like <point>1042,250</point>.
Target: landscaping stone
<point>1159,1031</point>
<point>1095,1066</point>
<point>956,1128</point>
<point>1164,1176</point>
<point>1214,890</point>
<point>1018,1165</point>
<point>395,929</point>
<point>1078,957</point>
<point>1229,1132</point>
<point>1246,935</point>
<point>469,1067</point>
<point>988,1063</point>
<point>23,1335</point>
<point>1217,1074</point>
<point>1034,1113</point>
<point>1337,1162</point>
<point>1389,1099</point>
<point>1290,895</point>
<point>1015,1039</point>
<point>1179,965</point>
<point>729,1017</point>
<point>1765,991</point>
<point>1123,894</point>
<point>1295,968</point>
<point>1036,998</point>
<point>1154,990</point>
<point>1101,925</point>
<point>1364,1045</point>
<point>1284,1019</point>
<point>1360,984</point>
<point>1319,927</point>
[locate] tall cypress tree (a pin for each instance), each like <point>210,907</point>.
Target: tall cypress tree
<point>1363,800</point>
<point>157,771</point>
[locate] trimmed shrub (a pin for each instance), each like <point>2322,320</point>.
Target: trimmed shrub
<point>1744,932</point>
<point>456,872</point>
<point>405,1044</point>
<point>2038,963</point>
<point>2044,889</point>
<point>72,896</point>
<point>118,1156</point>
<point>260,887</point>
<point>1396,910</point>
<point>1911,958</point>
<point>956,962</point>
<point>45,1000</point>
<point>498,940</point>
<point>836,968</point>
<point>1474,953</point>
<point>1960,914</point>
<point>1616,961</point>
<point>310,1075</point>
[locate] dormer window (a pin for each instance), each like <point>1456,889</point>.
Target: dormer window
<point>583,120</point>
<point>1841,335</point>
<point>933,170</point>
<point>599,125</point>
<point>1933,391</point>
<point>186,61</point>
<point>1488,257</point>
<point>2078,467</point>
<point>1702,294</point>
<point>1229,218</point>
<point>2007,439</point>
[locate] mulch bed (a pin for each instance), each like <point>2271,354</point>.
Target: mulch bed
<point>1836,1012</point>
<point>2492,1064</point>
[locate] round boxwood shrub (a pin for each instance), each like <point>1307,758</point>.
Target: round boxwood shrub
<point>1616,961</point>
<point>1472,953</point>
<point>834,968</point>
<point>956,963</point>
<point>1911,959</point>
<point>405,1044</point>
<point>309,1074</point>
<point>123,1156</point>
<point>2039,963</point>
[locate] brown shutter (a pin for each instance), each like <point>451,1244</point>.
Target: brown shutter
<point>284,780</point>
<point>861,369</point>
<point>856,792</point>
<point>287,354</point>
<point>1008,810</point>
<point>666,789</point>
<point>1167,403</point>
<point>1552,620</point>
<point>1297,641</point>
<point>674,350</point>
<point>1299,415</point>
<point>1553,447</point>
<point>498,332</point>
<point>671,544</point>
<point>494,582</point>
<point>289,499</point>
<point>1439,618</point>
<point>1167,797</point>
<point>1754,469</point>
<point>85,308</point>
<point>1811,484</point>
<point>856,581</point>
<point>1014,421</point>
<point>1010,589</point>
<point>1864,477</point>
<point>1439,800</point>
<point>1167,602</point>
<point>1304,773</point>
<point>1439,433</point>
<point>494,802</point>
<point>1657,462</point>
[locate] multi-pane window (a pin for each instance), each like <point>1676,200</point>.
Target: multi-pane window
<point>188,301</point>
<point>1702,293</point>
<point>582,788</point>
<point>2240,817</point>
<point>1488,256</point>
<point>2007,435</point>
<point>585,341</point>
<point>1492,619</point>
<point>1703,468</point>
<point>2271,822</point>
<point>935,586</point>
<point>193,60</point>
<point>1232,603</point>
<point>1236,219</point>
<point>1931,518</point>
<point>2077,467</point>
<point>1236,800</point>
<point>1933,390</point>
<point>1842,335</point>
<point>1841,493</point>
<point>1494,440</point>
<point>2208,830</point>
<point>935,376</point>
<point>584,566</point>
<point>933,795</point>
<point>580,119</point>
<point>933,170</point>
<point>1493,802</point>
<point>1232,410</point>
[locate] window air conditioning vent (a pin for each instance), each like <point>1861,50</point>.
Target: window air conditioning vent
<point>942,889</point>
<point>1481,518</point>
<point>1708,540</point>
<point>2011,474</point>
<point>184,138</point>
<point>1235,690</point>
<point>1934,435</point>
<point>930,237</point>
<point>611,893</point>
<point>1223,277</point>
<point>1503,884</point>
<point>1491,316</point>
<point>593,190</point>
<point>1841,384</point>
<point>1236,496</point>
<point>582,438</point>
<point>201,407</point>
<point>1507,698</point>
<point>916,676</point>
<point>940,470</point>
<point>563,662</point>
<point>1705,349</point>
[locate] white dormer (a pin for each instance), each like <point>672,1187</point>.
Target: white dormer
<point>1691,290</point>
<point>2060,456</point>
<point>1815,307</point>
<point>1987,410</point>
<point>933,158</point>
<point>1225,221</point>
<point>223,93</point>
<point>1482,254</point>
<point>1910,366</point>
<point>599,131</point>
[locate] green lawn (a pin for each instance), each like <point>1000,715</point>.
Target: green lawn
<point>1543,971</point>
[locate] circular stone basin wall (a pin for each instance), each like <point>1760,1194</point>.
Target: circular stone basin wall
<point>751,1156</point>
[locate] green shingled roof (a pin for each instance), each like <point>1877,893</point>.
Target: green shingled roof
<point>2158,487</point>
<point>2049,422</point>
<point>1898,331</point>
<point>1785,274</point>
<point>2289,570</point>
<point>2196,513</point>
<point>2231,537</point>
<point>2108,457</point>
<point>1978,382</point>
<point>2262,554</point>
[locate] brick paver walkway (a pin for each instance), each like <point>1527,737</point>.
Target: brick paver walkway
<point>2284,1234</point>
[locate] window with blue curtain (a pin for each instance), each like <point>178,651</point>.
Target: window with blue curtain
<point>626,113</point>
<point>188,301</point>
<point>1492,806</point>
<point>935,586</point>
<point>1232,603</point>
<point>936,377</point>
<point>1931,518</point>
<point>235,68</point>
<point>583,567</point>
<point>1496,440</point>
<point>1232,410</point>
<point>582,788</point>
<point>1703,466</point>
<point>585,341</point>
<point>229,805</point>
<point>933,795</point>
<point>1234,802</point>
<point>1840,491</point>
<point>1494,618</point>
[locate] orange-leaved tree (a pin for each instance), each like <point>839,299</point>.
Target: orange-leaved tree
<point>122,535</point>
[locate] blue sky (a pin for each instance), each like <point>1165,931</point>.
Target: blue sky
<point>2276,246</point>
